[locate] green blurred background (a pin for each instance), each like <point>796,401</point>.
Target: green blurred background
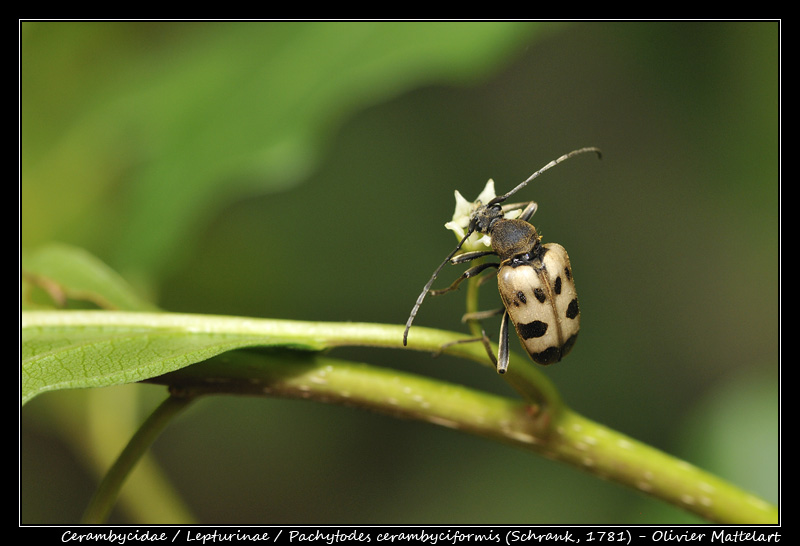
<point>305,170</point>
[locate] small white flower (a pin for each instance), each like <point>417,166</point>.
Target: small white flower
<point>463,214</point>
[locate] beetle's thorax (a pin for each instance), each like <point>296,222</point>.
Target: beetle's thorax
<point>513,237</point>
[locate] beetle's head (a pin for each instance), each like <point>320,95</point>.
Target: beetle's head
<point>477,218</point>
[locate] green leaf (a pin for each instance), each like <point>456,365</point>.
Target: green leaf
<point>83,349</point>
<point>80,349</point>
<point>67,273</point>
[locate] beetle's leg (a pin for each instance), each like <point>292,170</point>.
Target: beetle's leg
<point>528,209</point>
<point>502,353</point>
<point>483,339</point>
<point>487,345</point>
<point>469,256</point>
<point>481,315</point>
<point>428,285</point>
<point>486,278</point>
<point>471,272</point>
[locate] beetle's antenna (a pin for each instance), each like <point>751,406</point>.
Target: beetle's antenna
<point>501,198</point>
<point>430,283</point>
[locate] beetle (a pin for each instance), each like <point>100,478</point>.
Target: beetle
<point>534,280</point>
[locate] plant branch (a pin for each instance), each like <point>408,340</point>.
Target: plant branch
<point>107,492</point>
<point>564,436</point>
<point>289,362</point>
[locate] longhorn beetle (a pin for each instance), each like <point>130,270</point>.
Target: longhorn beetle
<point>534,280</point>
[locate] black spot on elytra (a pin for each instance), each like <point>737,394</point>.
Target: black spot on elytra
<point>557,285</point>
<point>521,297</point>
<point>572,309</point>
<point>538,293</point>
<point>551,355</point>
<point>532,329</point>
<point>568,273</point>
<point>567,347</point>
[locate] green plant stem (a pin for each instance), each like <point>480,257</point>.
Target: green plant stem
<point>611,455</point>
<point>472,304</point>
<point>565,436</point>
<point>296,367</point>
<point>103,501</point>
